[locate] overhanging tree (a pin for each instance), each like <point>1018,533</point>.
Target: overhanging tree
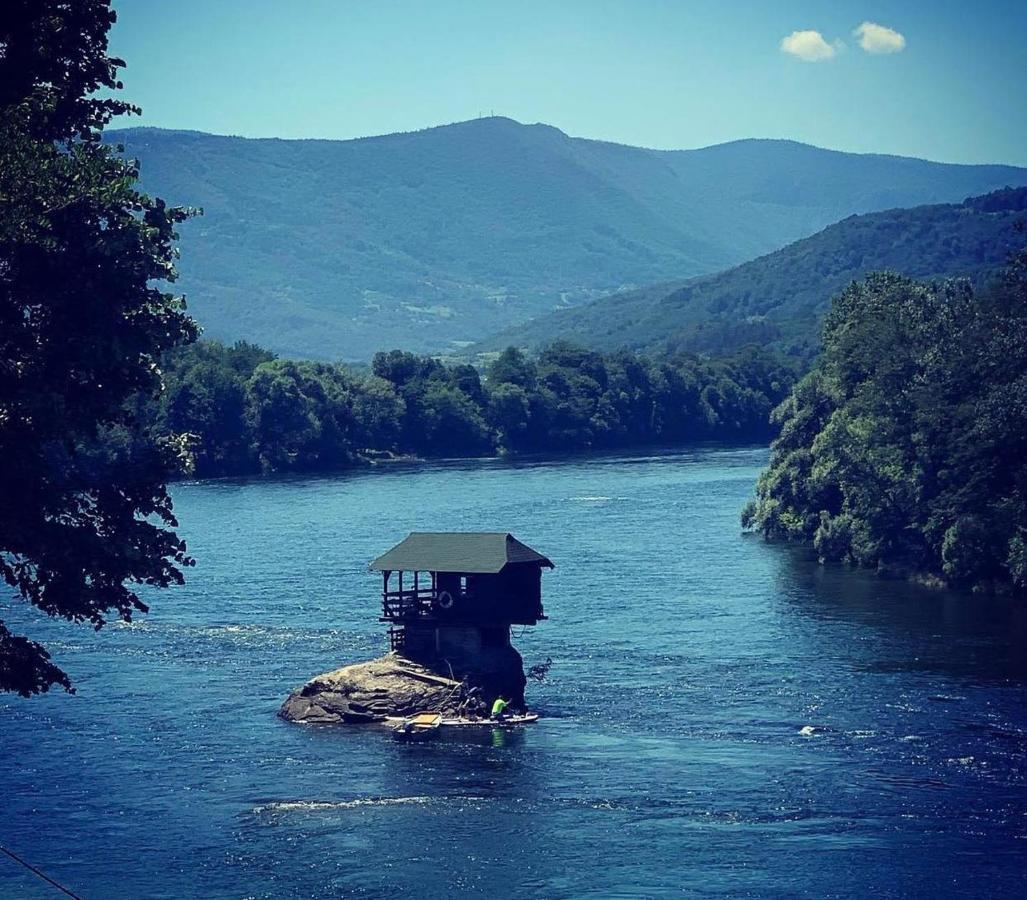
<point>82,328</point>
<point>905,448</point>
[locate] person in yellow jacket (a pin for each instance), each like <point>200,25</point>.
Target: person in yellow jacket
<point>499,708</point>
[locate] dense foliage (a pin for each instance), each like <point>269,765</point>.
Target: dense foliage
<point>245,411</point>
<point>906,446</point>
<point>779,300</point>
<point>451,234</point>
<point>83,506</point>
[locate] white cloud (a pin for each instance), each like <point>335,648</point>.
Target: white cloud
<point>809,46</point>
<point>876,38</point>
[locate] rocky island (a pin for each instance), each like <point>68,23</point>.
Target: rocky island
<point>449,632</point>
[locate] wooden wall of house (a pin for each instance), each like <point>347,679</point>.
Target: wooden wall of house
<point>459,640</point>
<point>419,641</point>
<point>513,595</point>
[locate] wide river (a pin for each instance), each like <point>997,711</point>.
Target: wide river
<point>722,717</point>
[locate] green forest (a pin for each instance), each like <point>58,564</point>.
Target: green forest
<point>244,411</point>
<point>905,447</point>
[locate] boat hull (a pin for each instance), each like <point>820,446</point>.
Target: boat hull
<point>508,722</point>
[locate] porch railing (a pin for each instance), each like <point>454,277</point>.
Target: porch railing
<point>408,604</point>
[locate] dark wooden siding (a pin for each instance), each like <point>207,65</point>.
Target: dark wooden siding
<point>513,595</point>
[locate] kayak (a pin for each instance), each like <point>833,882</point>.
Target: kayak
<point>525,719</point>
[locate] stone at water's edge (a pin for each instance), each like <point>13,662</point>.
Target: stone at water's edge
<point>369,691</point>
<point>393,685</point>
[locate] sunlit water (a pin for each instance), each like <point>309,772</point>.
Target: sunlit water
<point>723,716</point>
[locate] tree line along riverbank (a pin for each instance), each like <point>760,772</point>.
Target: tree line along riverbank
<point>243,411</point>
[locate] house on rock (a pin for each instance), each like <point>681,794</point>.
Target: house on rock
<point>449,599</point>
<point>456,594</point>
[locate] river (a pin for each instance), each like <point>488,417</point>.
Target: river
<point>723,716</point>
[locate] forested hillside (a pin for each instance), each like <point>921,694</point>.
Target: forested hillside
<point>244,411</point>
<point>780,299</point>
<point>428,240</point>
<point>906,447</point>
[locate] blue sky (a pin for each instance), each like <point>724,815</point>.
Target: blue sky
<point>656,73</point>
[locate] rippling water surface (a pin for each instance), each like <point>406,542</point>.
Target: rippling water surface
<point>723,716</point>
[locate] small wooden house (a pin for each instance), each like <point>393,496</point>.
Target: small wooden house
<point>457,593</point>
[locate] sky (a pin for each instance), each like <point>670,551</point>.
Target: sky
<point>929,78</point>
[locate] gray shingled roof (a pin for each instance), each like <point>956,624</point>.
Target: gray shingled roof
<point>455,551</point>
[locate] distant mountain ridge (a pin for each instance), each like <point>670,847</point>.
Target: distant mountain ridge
<point>430,240</point>
<point>779,299</point>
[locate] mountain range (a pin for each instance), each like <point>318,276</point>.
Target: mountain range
<point>435,239</point>
<point>779,299</point>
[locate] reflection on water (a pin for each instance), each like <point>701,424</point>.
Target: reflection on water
<point>722,717</point>
<point>957,633</point>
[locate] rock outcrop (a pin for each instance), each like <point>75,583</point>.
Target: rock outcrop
<point>367,692</point>
<point>394,685</point>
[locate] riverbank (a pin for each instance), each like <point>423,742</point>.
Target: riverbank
<point>931,581</point>
<point>413,463</point>
<point>246,412</point>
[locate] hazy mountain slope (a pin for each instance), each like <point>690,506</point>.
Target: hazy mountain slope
<point>420,240</point>
<point>780,298</point>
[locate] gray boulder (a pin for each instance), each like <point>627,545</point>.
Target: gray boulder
<point>368,692</point>
<point>394,685</point>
